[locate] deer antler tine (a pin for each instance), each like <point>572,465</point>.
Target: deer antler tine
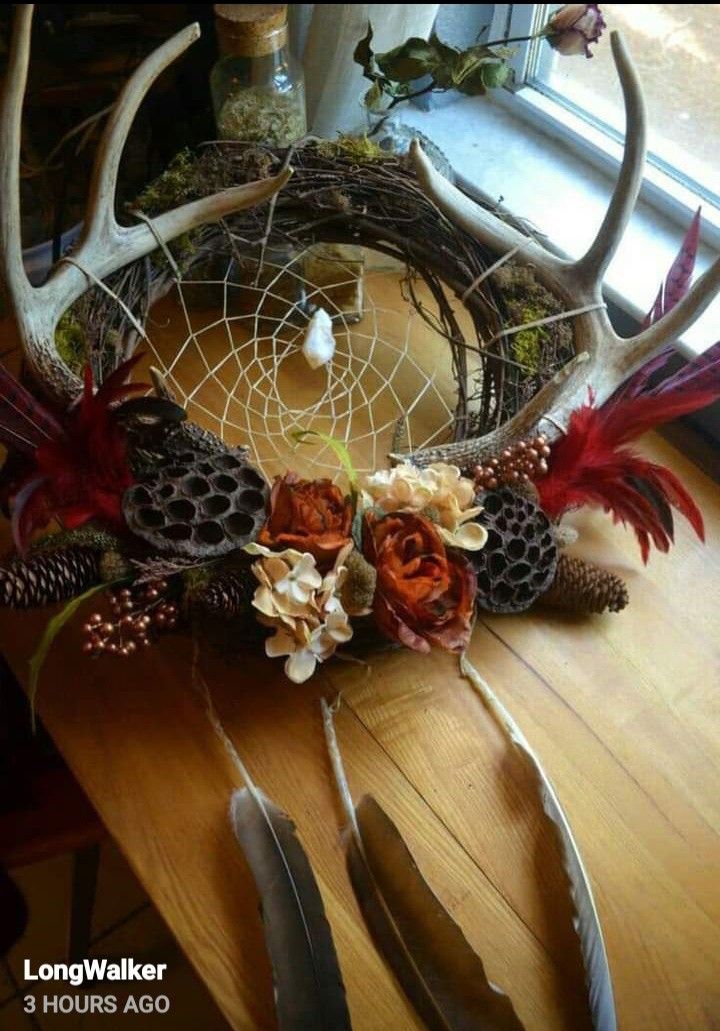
<point>677,320</point>
<point>100,212</point>
<point>11,120</point>
<point>484,226</point>
<point>593,265</point>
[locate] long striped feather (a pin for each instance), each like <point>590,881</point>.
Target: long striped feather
<point>25,423</point>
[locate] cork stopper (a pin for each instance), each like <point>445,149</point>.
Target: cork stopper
<point>251,30</point>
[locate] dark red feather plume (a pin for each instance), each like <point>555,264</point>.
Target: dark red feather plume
<point>82,471</point>
<point>593,465</point>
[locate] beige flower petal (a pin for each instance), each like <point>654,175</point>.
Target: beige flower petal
<point>281,643</point>
<point>469,536</point>
<point>276,569</point>
<point>300,666</point>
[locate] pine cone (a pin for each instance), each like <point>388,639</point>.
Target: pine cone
<point>230,594</point>
<point>46,577</point>
<point>580,586</point>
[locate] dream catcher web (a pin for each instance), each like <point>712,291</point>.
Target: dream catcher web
<point>230,349</point>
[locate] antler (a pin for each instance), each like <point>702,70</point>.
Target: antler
<point>603,359</point>
<point>105,246</point>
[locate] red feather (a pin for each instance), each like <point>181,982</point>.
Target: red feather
<point>82,472</point>
<point>677,281</point>
<point>593,465</point>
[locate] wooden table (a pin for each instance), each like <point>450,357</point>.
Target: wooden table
<point>623,709</point>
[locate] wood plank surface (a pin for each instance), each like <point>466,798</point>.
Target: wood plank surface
<point>623,710</point>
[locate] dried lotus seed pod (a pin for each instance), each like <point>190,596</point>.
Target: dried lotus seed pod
<point>519,559</point>
<point>198,504</point>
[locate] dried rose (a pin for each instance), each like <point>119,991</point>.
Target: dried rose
<point>574,27</point>
<point>425,592</point>
<point>308,515</point>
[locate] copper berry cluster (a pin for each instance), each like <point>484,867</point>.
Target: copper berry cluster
<point>526,460</point>
<point>136,615</point>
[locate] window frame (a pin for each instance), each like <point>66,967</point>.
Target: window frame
<point>534,101</point>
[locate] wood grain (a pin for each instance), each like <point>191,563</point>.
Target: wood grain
<point>622,709</point>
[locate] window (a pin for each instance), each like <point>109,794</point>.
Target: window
<point>673,48</point>
<point>549,149</point>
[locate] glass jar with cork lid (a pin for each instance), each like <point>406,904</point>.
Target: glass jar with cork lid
<point>257,86</point>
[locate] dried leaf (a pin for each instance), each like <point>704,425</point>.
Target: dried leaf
<point>411,60</point>
<point>363,54</point>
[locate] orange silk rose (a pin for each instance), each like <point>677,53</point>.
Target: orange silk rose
<point>308,515</point>
<point>425,593</point>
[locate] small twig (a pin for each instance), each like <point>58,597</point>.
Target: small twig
<point>111,293</point>
<point>513,330</point>
<point>488,272</point>
<point>271,212</point>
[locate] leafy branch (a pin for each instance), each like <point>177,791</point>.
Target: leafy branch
<point>395,73</point>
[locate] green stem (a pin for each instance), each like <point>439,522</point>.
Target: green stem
<point>399,100</point>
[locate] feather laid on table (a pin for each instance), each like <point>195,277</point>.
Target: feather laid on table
<point>309,991</point>
<point>586,921</point>
<point>427,951</point>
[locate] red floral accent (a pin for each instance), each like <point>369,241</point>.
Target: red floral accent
<point>593,465</point>
<point>82,472</point>
<point>425,593</point>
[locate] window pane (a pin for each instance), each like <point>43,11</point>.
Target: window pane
<point>675,49</point>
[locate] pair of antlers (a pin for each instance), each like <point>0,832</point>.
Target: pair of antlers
<point>602,359</point>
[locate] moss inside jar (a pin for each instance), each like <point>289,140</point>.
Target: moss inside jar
<point>257,86</point>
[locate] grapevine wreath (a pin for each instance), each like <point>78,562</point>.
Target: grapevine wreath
<point>172,524</point>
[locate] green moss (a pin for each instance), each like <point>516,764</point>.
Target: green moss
<point>71,341</point>
<point>176,185</point>
<point>527,344</point>
<point>180,183</point>
<point>197,579</point>
<point>88,536</point>
<point>359,148</point>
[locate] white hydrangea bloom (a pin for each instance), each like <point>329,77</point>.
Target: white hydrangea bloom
<point>439,491</point>
<point>302,606</point>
